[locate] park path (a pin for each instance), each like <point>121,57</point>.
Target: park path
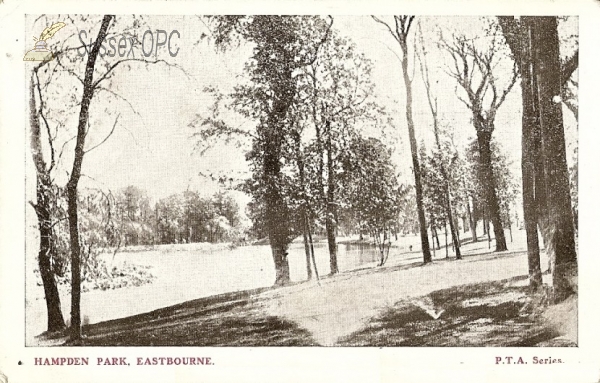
<point>344,303</point>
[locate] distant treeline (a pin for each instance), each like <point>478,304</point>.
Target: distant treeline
<point>127,217</point>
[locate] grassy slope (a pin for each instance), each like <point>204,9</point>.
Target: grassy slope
<point>367,307</point>
<point>221,320</point>
<point>484,314</point>
<point>499,313</point>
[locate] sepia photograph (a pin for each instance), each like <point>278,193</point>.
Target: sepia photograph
<point>388,181</point>
<point>328,191</point>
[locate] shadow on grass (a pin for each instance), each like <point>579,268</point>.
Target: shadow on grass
<point>222,320</point>
<point>484,314</point>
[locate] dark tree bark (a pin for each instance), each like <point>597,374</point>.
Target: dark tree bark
<point>46,254</point>
<point>304,208</point>
<point>540,201</point>
<point>453,229</point>
<point>437,239</point>
<point>472,223</point>
<point>416,166</point>
<point>519,40</point>
<point>535,45</point>
<point>88,93</point>
<point>484,137</point>
<point>312,250</point>
<point>433,238</point>
<point>485,226</point>
<point>276,212</point>
<point>561,242</point>
<point>42,208</point>
<point>306,248</point>
<point>487,223</point>
<point>330,211</point>
<point>446,238</point>
<point>457,230</point>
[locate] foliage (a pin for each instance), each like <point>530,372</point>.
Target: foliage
<point>99,229</point>
<point>373,194</point>
<point>187,217</point>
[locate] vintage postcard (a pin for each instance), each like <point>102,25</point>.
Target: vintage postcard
<point>262,192</point>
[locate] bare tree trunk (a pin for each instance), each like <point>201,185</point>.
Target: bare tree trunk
<point>433,238</point>
<point>415,156</point>
<point>453,229</point>
<point>312,251</point>
<point>484,138</point>
<point>540,202</point>
<point>306,247</point>
<point>456,225</point>
<point>330,218</point>
<point>472,222</point>
<point>46,255</point>
<point>446,238</point>
<point>487,224</point>
<point>47,251</point>
<point>304,208</point>
<point>276,211</point>
<point>282,268</point>
<point>88,93</point>
<point>560,216</point>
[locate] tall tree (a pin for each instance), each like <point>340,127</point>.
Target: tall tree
<point>433,107</point>
<point>535,46</point>
<point>371,183</point>
<point>551,78</point>
<point>518,37</point>
<point>282,45</point>
<point>400,32</point>
<point>96,74</point>
<point>337,89</point>
<point>468,60</point>
<point>88,93</point>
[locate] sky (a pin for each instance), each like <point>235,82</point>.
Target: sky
<point>152,145</point>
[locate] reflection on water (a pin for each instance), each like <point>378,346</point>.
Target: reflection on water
<point>349,256</point>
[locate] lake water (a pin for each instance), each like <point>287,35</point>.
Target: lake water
<point>184,273</point>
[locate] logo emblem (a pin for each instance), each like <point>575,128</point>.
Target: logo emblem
<point>41,52</point>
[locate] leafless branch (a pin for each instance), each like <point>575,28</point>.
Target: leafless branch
<point>64,145</point>
<point>425,74</point>
<point>110,69</point>
<point>396,37</point>
<point>69,70</point>
<point>101,88</point>
<point>41,113</point>
<point>509,87</point>
<point>408,22</point>
<point>105,138</point>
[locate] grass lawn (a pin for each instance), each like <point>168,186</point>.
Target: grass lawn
<point>482,300</point>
